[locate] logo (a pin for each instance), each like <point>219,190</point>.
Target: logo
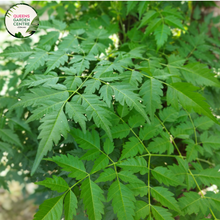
<point>21,20</point>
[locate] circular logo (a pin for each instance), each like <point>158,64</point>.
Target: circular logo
<point>21,20</point>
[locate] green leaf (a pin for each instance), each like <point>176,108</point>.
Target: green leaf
<point>91,155</point>
<point>168,10</point>
<point>128,176</point>
<point>132,148</point>
<point>93,199</point>
<point>192,202</point>
<point>151,65</point>
<point>91,86</point>
<point>70,205</point>
<point>209,176</point>
<point>50,209</point>
<point>18,52</point>
<point>99,33</point>
<point>106,67</point>
<point>69,71</point>
<point>199,74</point>
<point>120,131</point>
<point>148,131</point>
<point>93,48</point>
<point>147,17</point>
<point>2,82</point>
<point>108,175</point>
<point>137,164</point>
<point>108,146</point>
<point>123,110</point>
<point>124,94</point>
<point>142,210</point>
<point>69,42</point>
<point>39,96</point>
<point>168,114</point>
<point>95,109</point>
<point>161,34</point>
<point>36,60</point>
<point>56,59</point>
<point>142,7</point>
<point>139,188</point>
<point>210,143</point>
<point>3,183</point>
<point>48,39</point>
<point>214,199</point>
<point>165,197</point>
<point>76,112</point>
<point>203,123</point>
<point>60,25</point>
<point>197,13</point>
<point>132,77</point>
<point>110,76</point>
<point>56,183</point>
<point>174,62</point>
<point>152,26</point>
<point>160,213</point>
<point>86,140</point>
<point>45,24</point>
<point>36,80</point>
<point>122,200</point>
<point>173,21</point>
<point>52,106</point>
<point>130,6</point>
<point>8,136</point>
<point>72,83</point>
<point>190,99</point>
<point>160,145</point>
<point>183,130</point>
<point>135,121</point>
<point>183,169</point>
<point>4,147</point>
<point>165,176</point>
<point>71,164</point>
<point>172,98</point>
<point>192,151</point>
<point>100,163</point>
<point>80,66</point>
<point>106,93</point>
<point>151,91</point>
<point>53,125</point>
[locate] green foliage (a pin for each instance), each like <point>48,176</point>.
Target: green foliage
<point>108,130</point>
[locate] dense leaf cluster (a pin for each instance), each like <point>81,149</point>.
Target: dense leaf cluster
<point>124,130</point>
